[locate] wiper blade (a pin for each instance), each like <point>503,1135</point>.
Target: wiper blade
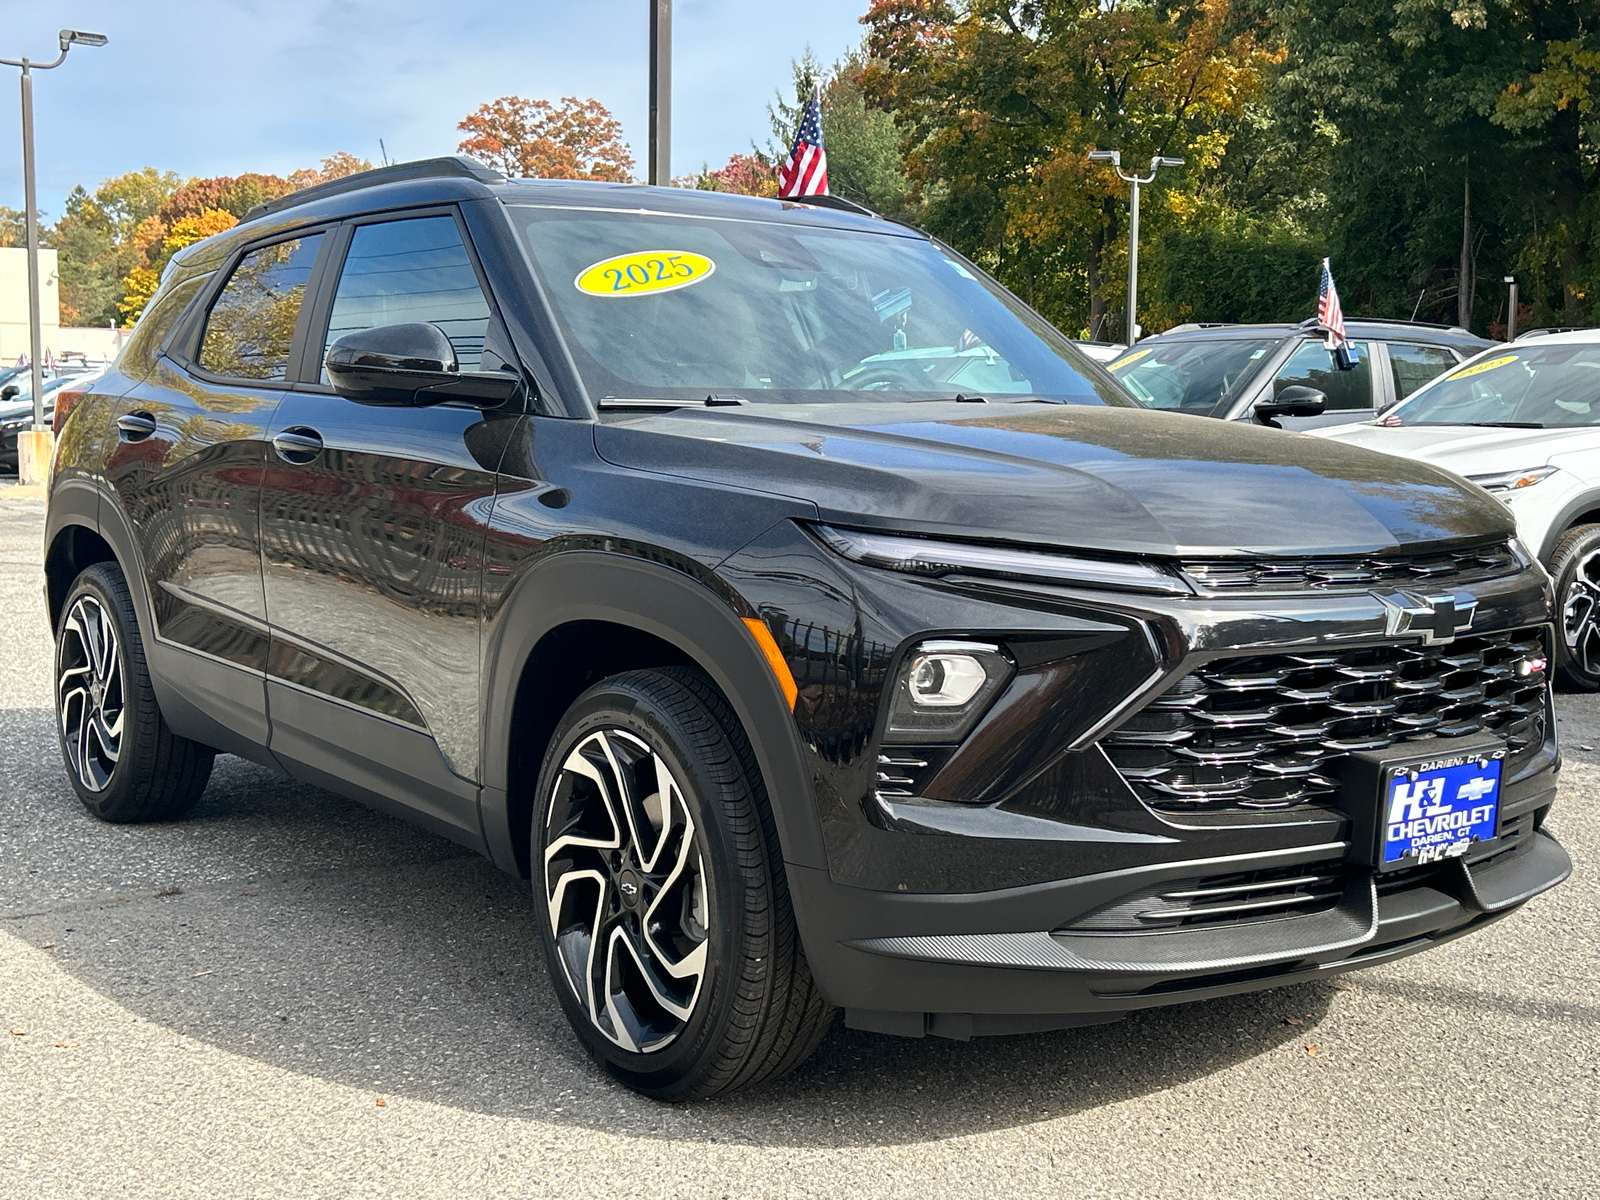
<point>1506,424</point>
<point>662,403</point>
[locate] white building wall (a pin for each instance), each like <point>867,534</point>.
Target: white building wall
<point>14,303</point>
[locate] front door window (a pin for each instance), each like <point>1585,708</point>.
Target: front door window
<point>1312,365</point>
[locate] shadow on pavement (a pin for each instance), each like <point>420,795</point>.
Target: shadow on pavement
<point>287,925</point>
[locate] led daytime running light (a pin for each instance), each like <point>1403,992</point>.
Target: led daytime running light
<point>923,556</point>
<point>1512,481</point>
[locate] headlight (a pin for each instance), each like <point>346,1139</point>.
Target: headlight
<point>943,688</point>
<point>923,556</point>
<point>1512,481</point>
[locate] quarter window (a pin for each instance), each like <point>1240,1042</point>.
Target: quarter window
<point>1312,365</point>
<point>1414,366</point>
<point>412,270</point>
<point>250,329</point>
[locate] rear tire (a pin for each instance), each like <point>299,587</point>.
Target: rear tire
<point>125,763</point>
<point>661,895</point>
<point>1575,566</point>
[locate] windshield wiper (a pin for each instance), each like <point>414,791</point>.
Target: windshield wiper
<point>1506,424</point>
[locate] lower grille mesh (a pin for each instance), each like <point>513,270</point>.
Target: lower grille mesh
<point>1263,732</point>
<point>1222,900</point>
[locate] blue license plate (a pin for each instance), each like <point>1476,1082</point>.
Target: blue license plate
<point>1436,809</point>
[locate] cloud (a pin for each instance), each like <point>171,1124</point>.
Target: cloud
<point>235,85</point>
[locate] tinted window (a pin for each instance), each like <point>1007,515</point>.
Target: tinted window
<point>1413,365</point>
<point>414,270</point>
<point>250,328</point>
<point>1555,386</point>
<point>1190,376</point>
<point>670,307</point>
<point>1312,365</point>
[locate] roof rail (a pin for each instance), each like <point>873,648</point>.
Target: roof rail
<point>457,166</point>
<point>1313,323</point>
<point>1550,329</point>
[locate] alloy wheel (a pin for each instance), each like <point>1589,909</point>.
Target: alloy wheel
<point>89,694</point>
<point>1580,614</point>
<point>626,889</point>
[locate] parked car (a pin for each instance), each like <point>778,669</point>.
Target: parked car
<point>1241,372</point>
<point>598,528</point>
<point>1101,352</point>
<point>16,408</point>
<point>1523,421</point>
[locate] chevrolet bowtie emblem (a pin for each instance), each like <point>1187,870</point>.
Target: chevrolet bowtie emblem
<point>1437,618</point>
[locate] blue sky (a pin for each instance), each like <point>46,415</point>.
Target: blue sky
<point>227,86</point>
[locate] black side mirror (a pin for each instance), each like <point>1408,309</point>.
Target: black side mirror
<point>410,365</point>
<point>1296,400</point>
<point>10,392</point>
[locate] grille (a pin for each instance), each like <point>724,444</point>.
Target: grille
<point>1330,573</point>
<point>1222,900</point>
<point>1264,732</point>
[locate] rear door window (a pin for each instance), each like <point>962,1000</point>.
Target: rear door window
<point>250,328</point>
<point>416,269</point>
<point>1312,365</point>
<point>1414,365</point>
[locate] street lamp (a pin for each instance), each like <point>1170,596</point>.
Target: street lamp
<point>1114,157</point>
<point>68,38</point>
<point>1511,317</point>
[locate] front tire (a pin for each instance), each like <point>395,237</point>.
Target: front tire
<point>662,901</point>
<point>1575,566</point>
<point>123,760</point>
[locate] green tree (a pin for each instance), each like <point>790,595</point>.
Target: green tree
<point>13,227</point>
<point>999,102</point>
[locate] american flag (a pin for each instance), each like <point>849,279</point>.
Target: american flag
<point>1329,315</point>
<point>805,171</point>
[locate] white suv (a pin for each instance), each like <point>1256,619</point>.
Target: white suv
<point>1523,421</point>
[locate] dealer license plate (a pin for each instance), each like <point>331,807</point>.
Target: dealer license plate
<point>1436,809</point>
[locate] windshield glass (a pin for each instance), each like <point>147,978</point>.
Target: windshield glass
<point>662,307</point>
<point>1190,376</point>
<point>1537,386</point>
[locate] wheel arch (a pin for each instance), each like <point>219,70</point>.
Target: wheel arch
<point>1585,510</point>
<point>582,615</point>
<point>73,541</point>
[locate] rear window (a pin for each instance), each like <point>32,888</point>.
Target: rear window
<point>1192,375</point>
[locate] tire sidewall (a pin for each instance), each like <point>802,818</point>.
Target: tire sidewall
<point>620,705</point>
<point>1582,543</point>
<point>98,582</point>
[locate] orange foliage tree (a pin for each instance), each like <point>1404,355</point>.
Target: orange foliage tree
<point>535,139</point>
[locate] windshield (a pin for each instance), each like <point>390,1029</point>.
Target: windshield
<point>659,307</point>
<point>1534,387</point>
<point>1190,376</point>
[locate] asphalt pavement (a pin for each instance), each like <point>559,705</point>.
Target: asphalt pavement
<point>287,994</point>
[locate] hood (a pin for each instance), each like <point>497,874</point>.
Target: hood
<point>1112,479</point>
<point>1468,449</point>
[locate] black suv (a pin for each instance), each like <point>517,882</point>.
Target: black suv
<point>640,540</point>
<point>1245,372</point>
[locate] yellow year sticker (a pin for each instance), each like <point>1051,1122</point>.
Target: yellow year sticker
<point>1487,364</point>
<point>644,273</point>
<point>1127,360</point>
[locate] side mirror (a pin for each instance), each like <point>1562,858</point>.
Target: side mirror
<point>1296,400</point>
<point>410,365</point>
<point>10,392</point>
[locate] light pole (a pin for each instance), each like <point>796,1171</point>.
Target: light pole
<point>68,39</point>
<point>660,168</point>
<point>1114,157</point>
<point>1511,317</point>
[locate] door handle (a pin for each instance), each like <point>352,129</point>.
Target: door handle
<point>135,426</point>
<point>298,444</point>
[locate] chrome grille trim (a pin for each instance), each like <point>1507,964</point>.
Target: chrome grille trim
<point>1221,576</point>
<point>1264,732</point>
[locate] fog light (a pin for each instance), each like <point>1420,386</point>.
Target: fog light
<point>943,688</point>
<point>945,680</point>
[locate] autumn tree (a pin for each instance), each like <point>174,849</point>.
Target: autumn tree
<point>1000,102</point>
<point>535,139</point>
<point>13,227</point>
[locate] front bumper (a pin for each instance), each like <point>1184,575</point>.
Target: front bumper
<point>966,984</point>
<point>971,900</point>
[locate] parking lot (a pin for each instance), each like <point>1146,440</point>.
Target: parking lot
<point>288,994</point>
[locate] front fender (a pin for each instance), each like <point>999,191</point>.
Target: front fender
<point>582,585</point>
